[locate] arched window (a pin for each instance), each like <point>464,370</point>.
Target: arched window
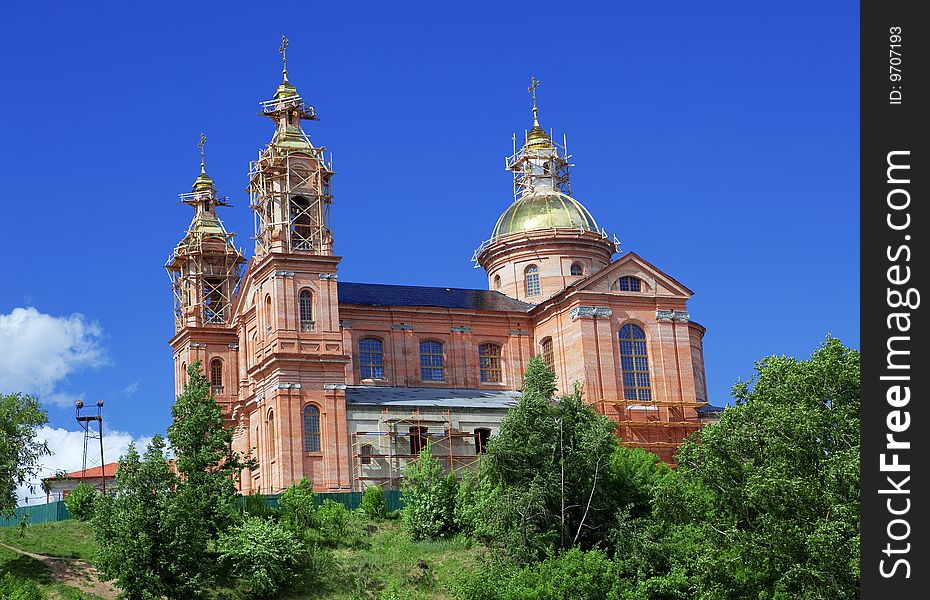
<point>272,442</point>
<point>547,355</point>
<point>216,376</point>
<point>311,428</point>
<point>183,373</point>
<point>305,306</point>
<point>497,282</point>
<point>268,312</point>
<point>576,270</point>
<point>431,367</point>
<point>531,280</point>
<point>489,360</point>
<point>371,358</point>
<point>634,363</point>
<point>629,284</point>
<point>482,435</point>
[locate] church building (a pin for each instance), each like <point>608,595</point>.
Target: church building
<point>344,383</point>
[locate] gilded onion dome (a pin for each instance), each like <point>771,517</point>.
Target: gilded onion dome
<point>544,209</point>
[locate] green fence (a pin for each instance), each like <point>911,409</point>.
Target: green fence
<point>56,511</point>
<point>350,500</point>
<point>40,513</point>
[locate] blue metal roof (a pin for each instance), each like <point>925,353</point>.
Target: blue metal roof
<point>377,294</point>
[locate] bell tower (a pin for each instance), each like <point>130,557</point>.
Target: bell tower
<point>204,269</point>
<point>293,363</point>
<point>289,184</point>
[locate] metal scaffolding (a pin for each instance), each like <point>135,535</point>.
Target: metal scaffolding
<point>204,268</point>
<point>381,456</point>
<point>662,428</point>
<point>290,184</point>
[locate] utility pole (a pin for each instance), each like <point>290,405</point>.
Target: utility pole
<point>86,423</point>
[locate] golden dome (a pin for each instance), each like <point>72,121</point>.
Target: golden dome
<point>544,210</point>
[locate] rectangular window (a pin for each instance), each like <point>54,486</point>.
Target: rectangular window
<point>489,357</point>
<point>371,358</point>
<point>418,439</point>
<point>431,362</point>
<point>482,435</point>
<point>547,354</point>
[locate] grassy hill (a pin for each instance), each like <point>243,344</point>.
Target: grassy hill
<point>380,562</point>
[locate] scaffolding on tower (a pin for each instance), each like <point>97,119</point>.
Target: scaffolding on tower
<point>205,267</point>
<point>290,185</point>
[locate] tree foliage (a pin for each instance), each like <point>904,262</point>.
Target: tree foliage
<point>203,453</point>
<point>298,508</point>
<point>429,497</point>
<point>136,546</point>
<point>373,502</point>
<point>81,501</point>
<point>770,494</point>
<point>264,556</point>
<point>763,504</point>
<point>157,533</point>
<point>20,453</point>
<point>547,477</point>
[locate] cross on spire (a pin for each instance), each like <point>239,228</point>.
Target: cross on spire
<point>201,144</point>
<point>534,83</point>
<point>283,51</point>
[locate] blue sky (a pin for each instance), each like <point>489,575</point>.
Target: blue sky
<point>718,140</point>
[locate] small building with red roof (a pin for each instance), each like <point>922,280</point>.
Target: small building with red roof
<point>58,486</point>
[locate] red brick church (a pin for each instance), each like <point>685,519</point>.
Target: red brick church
<point>344,382</point>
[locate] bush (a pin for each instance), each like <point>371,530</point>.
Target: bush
<point>572,575</point>
<point>332,518</point>
<point>14,588</point>
<point>256,505</point>
<point>297,506</point>
<point>81,501</point>
<point>429,498</point>
<point>265,555</point>
<point>373,503</point>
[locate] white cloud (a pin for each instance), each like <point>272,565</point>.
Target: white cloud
<point>68,449</point>
<point>40,350</point>
<point>131,389</point>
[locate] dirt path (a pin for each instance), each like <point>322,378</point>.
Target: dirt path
<point>73,572</point>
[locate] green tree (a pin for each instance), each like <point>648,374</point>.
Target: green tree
<point>20,453</point>
<point>373,503</point>
<point>298,507</point>
<point>549,472</point>
<point>203,452</point>
<point>82,501</point>
<point>136,545</point>
<point>770,494</point>
<point>157,534</point>
<point>429,497</point>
